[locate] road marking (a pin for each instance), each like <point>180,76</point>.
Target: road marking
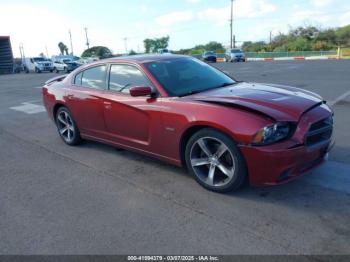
<point>29,108</point>
<point>339,98</point>
<point>332,175</point>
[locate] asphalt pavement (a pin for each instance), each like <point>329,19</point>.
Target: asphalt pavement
<point>93,199</point>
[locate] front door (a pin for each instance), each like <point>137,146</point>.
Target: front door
<point>129,120</point>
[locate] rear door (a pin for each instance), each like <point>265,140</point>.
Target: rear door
<point>85,100</point>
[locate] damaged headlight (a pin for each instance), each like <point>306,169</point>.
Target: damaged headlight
<point>272,133</point>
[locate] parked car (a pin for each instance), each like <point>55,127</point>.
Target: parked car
<point>164,51</point>
<point>209,56</point>
<point>235,55</point>
<point>188,113</point>
<point>37,65</point>
<point>65,65</point>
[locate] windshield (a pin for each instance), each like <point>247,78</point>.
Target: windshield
<point>236,51</point>
<point>209,53</point>
<point>67,60</point>
<point>185,76</point>
<point>39,59</point>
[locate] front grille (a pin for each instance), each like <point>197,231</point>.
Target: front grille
<point>320,131</point>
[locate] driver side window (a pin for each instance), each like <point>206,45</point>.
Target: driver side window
<point>122,77</point>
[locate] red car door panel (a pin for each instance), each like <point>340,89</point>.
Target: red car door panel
<point>126,118</point>
<point>86,106</point>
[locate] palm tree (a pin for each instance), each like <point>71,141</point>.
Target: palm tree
<point>63,48</point>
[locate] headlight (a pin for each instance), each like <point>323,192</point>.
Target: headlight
<point>272,133</point>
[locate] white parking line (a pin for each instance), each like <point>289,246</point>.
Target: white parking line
<point>29,108</point>
<point>339,98</point>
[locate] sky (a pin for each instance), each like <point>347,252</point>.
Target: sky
<point>42,24</point>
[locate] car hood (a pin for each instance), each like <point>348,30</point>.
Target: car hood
<point>282,103</point>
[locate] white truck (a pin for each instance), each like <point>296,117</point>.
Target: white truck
<point>37,65</point>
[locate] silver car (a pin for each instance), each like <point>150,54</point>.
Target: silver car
<point>235,55</point>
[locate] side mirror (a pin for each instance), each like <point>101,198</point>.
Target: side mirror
<point>140,91</point>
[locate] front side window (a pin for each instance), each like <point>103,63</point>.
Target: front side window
<point>122,77</point>
<point>94,77</point>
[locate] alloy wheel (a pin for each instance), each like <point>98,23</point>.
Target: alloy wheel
<point>212,161</point>
<point>65,126</point>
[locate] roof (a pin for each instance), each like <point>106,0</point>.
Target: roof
<point>145,58</point>
<point>4,37</point>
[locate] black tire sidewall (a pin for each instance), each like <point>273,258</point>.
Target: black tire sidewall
<point>240,168</point>
<point>77,139</point>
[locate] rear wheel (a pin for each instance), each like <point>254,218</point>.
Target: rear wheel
<point>215,161</point>
<point>67,128</point>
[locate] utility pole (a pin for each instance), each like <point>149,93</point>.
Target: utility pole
<point>126,44</point>
<point>47,52</point>
<point>231,24</point>
<point>22,48</point>
<point>71,42</point>
<point>270,37</point>
<point>20,52</point>
<point>87,39</point>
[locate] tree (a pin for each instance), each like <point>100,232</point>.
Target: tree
<point>63,48</point>
<point>132,52</point>
<point>97,51</point>
<point>214,46</point>
<point>153,45</point>
<point>343,36</point>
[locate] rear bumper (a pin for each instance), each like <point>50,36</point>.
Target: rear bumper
<point>273,165</point>
<point>210,59</point>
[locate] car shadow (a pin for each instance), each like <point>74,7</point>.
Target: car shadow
<point>298,194</point>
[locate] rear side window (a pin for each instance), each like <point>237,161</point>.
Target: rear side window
<point>77,79</point>
<point>122,77</point>
<point>94,77</point>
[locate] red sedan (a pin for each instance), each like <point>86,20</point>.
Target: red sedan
<point>186,112</point>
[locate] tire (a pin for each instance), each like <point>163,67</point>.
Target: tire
<point>51,71</point>
<point>215,161</point>
<point>56,70</point>
<point>66,127</point>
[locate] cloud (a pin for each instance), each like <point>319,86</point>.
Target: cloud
<point>321,3</point>
<point>344,19</point>
<point>309,16</point>
<point>193,1</point>
<point>174,18</point>
<point>241,9</point>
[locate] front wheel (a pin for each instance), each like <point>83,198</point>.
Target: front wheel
<point>67,128</point>
<point>215,161</point>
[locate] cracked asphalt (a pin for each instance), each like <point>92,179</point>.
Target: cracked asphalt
<point>94,199</point>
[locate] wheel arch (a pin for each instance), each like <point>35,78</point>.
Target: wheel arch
<point>56,107</point>
<point>191,130</point>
